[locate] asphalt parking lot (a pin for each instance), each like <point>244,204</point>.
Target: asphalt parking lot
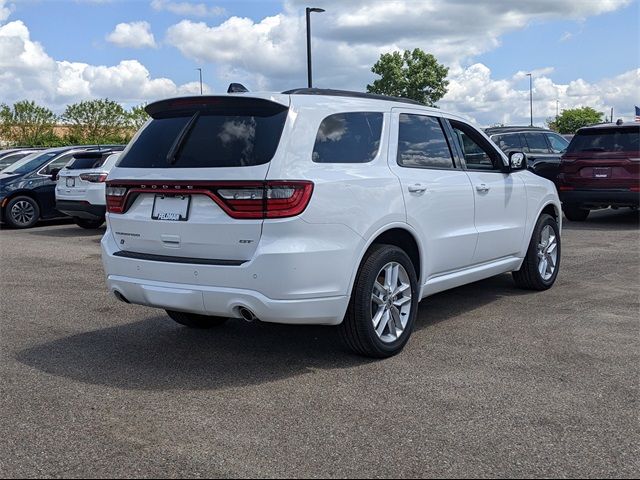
<point>495,381</point>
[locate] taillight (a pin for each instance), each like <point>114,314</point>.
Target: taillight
<point>241,200</point>
<point>94,177</point>
<point>115,198</point>
<point>277,199</point>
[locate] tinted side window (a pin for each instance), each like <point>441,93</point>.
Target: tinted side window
<point>58,163</point>
<point>422,143</point>
<point>558,144</point>
<point>476,150</point>
<point>348,138</point>
<point>509,142</point>
<point>537,143</point>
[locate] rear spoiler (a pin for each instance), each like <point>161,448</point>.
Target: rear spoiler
<point>219,104</point>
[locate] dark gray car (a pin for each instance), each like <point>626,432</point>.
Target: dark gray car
<point>543,147</point>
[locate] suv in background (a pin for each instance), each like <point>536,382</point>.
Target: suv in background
<point>27,187</point>
<point>319,206</point>
<point>601,169</point>
<point>543,147</point>
<point>80,192</point>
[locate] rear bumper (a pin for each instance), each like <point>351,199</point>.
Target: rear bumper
<point>226,302</point>
<point>600,198</point>
<point>294,278</point>
<point>81,209</point>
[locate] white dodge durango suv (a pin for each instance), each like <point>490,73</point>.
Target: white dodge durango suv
<point>319,207</point>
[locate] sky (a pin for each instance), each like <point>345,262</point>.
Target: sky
<point>580,52</point>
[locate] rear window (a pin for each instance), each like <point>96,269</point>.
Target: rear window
<point>348,138</point>
<point>606,140</point>
<point>208,139</point>
<point>88,162</point>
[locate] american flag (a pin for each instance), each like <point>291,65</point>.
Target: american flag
<point>637,114</point>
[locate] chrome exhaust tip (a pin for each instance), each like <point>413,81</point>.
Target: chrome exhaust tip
<point>247,314</point>
<point>121,297</point>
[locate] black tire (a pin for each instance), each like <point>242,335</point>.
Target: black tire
<point>529,277</point>
<point>357,329</point>
<point>88,224</point>
<point>575,213</point>
<point>193,320</point>
<point>21,212</point>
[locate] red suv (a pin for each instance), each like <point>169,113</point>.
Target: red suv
<point>600,169</point>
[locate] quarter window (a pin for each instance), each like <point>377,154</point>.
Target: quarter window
<point>348,138</point>
<point>422,143</point>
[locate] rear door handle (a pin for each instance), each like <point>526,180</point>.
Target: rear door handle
<point>482,188</point>
<point>417,188</point>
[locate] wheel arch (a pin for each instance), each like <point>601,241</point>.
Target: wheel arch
<point>400,235</point>
<point>21,193</point>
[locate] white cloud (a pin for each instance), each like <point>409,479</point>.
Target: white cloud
<point>132,35</point>
<point>26,71</point>
<point>188,9</point>
<point>349,37</point>
<point>5,10</point>
<point>475,94</point>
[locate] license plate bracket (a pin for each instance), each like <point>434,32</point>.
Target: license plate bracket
<point>601,172</point>
<point>174,208</point>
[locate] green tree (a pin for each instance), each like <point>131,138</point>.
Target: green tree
<point>28,124</point>
<point>96,121</point>
<point>413,74</point>
<point>569,121</point>
<point>138,117</point>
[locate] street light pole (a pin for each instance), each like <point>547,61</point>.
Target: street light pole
<point>200,70</point>
<point>308,11</point>
<point>530,96</point>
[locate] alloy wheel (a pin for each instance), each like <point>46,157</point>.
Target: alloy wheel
<point>547,253</point>
<point>391,302</point>
<point>23,212</point>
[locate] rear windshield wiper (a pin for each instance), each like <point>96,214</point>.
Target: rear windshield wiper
<point>594,149</point>
<point>172,155</point>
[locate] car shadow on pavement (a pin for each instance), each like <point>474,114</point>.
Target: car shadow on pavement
<point>607,219</point>
<point>157,354</point>
<point>72,231</point>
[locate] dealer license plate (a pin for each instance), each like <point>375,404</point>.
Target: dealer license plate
<point>171,207</point>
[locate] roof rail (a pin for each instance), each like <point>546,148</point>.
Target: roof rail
<point>348,93</point>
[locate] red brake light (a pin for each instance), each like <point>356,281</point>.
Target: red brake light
<point>94,177</point>
<point>116,197</point>
<point>241,200</point>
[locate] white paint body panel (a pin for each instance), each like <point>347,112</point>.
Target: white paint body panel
<point>84,191</point>
<point>302,269</point>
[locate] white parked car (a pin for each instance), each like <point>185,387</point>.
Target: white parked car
<point>319,207</point>
<point>80,188</point>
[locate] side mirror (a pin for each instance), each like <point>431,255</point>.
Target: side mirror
<point>54,174</point>
<point>517,161</point>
